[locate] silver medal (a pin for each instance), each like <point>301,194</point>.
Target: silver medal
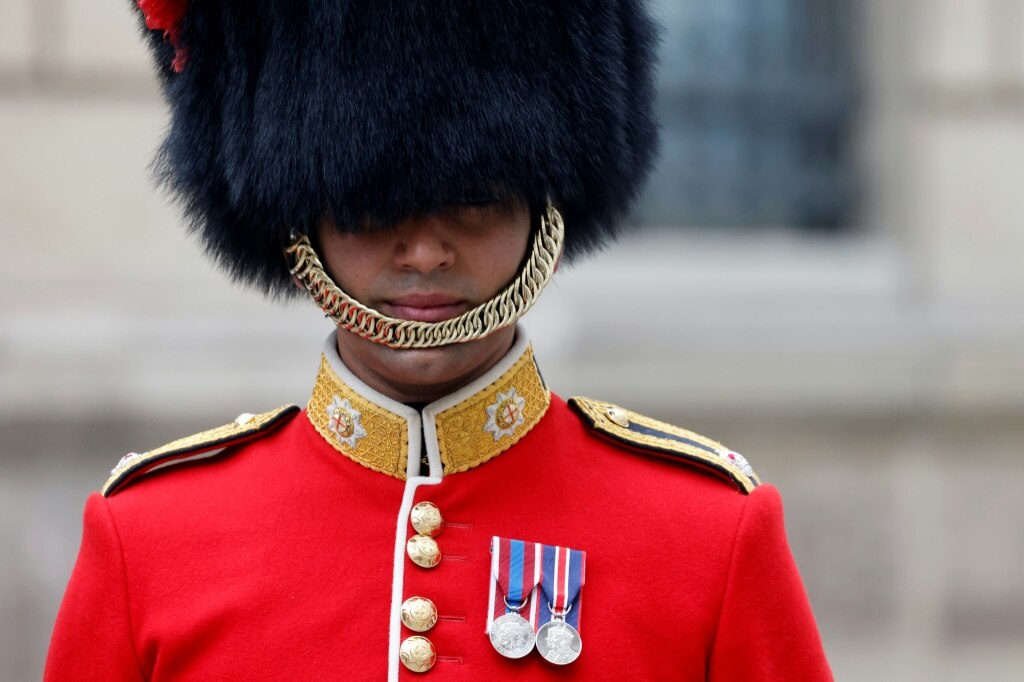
<point>558,642</point>
<point>512,635</point>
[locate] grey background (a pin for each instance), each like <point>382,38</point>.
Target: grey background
<point>877,377</point>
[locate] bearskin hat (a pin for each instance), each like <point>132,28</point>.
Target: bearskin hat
<point>287,111</point>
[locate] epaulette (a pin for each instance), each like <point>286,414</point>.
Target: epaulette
<point>207,444</point>
<point>664,440</point>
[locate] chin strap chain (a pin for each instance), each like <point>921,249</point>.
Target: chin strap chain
<point>501,311</point>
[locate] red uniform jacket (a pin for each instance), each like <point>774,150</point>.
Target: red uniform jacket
<point>283,557</point>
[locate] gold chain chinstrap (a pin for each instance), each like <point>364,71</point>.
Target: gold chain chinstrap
<point>501,311</point>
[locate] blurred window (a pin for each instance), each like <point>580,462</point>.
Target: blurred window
<point>757,99</point>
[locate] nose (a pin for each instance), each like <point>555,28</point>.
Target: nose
<point>423,246</point>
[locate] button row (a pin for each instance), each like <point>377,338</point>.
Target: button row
<point>419,614</point>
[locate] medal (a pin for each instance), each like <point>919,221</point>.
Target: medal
<point>512,635</point>
<point>558,640</point>
<point>515,566</point>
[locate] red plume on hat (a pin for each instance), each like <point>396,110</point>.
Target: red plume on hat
<point>166,16</point>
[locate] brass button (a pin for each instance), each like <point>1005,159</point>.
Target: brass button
<point>417,654</point>
<point>423,551</point>
<point>426,519</point>
<point>617,417</point>
<point>419,614</point>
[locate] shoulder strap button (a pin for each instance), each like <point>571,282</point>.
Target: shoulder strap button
<point>617,416</point>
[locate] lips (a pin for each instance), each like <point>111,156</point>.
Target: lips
<point>425,307</point>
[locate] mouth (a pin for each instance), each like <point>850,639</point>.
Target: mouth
<point>425,307</point>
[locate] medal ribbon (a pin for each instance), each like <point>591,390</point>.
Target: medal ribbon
<point>516,571</point>
<point>564,572</point>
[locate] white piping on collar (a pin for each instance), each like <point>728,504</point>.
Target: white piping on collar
<point>430,412</point>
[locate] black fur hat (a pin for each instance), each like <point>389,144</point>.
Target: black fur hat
<point>283,111</point>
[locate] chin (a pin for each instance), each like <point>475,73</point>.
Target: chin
<point>427,367</point>
<point>422,374</point>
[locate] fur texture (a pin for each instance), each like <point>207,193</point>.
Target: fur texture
<point>289,110</point>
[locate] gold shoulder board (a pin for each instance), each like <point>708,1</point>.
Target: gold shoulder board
<point>208,443</point>
<point>664,440</point>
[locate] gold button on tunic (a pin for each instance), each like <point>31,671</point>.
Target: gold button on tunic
<point>417,654</point>
<point>419,614</point>
<point>426,519</point>
<point>423,551</point>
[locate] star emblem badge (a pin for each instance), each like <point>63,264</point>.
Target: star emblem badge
<point>506,414</point>
<point>345,421</point>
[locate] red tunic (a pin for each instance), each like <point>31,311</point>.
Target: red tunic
<point>283,559</point>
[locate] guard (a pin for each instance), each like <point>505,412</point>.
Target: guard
<point>419,169</point>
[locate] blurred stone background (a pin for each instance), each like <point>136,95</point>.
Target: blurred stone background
<point>875,372</point>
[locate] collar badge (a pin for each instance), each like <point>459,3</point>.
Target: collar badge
<point>345,421</point>
<point>506,414</point>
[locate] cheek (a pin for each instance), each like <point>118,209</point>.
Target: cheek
<point>518,247</point>
<point>354,261</point>
<point>494,269</point>
<point>504,253</point>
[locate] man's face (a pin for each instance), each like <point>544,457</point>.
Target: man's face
<point>428,268</point>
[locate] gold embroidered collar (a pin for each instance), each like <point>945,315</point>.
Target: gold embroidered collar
<point>460,431</point>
